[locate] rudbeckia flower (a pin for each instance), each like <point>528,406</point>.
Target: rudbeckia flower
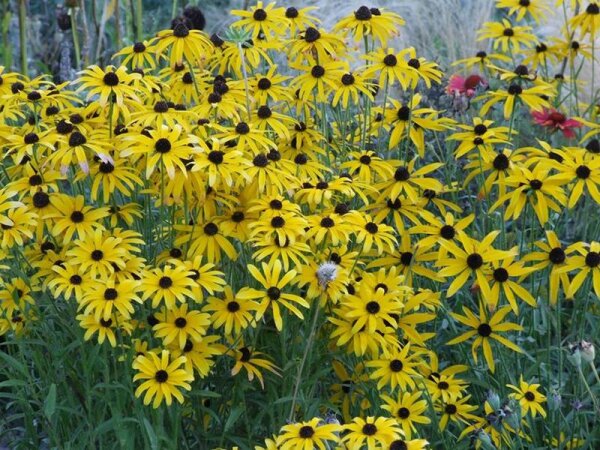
<point>375,432</point>
<point>377,23</point>
<point>259,19</point>
<point>486,329</point>
<point>408,409</point>
<point>272,292</point>
<point>529,398</point>
<point>163,377</point>
<point>537,9</point>
<point>311,434</point>
<point>252,361</point>
<point>506,36</point>
<point>112,83</point>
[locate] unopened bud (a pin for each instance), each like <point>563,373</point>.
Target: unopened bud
<point>588,352</point>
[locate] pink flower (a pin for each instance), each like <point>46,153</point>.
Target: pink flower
<point>556,120</point>
<point>458,85</point>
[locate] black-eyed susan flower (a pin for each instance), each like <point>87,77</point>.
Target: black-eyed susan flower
<point>369,233</point>
<point>163,148</point>
<point>536,9</point>
<point>104,328</point>
<point>407,120</point>
<point>98,253</point>
<point>73,219</point>
<point>471,260</point>
<point>18,227</point>
<point>398,369</point>
<point>318,79</point>
<point>271,248</point>
<point>457,411</point>
<point>585,173</point>
<point>314,42</point>
<point>374,432</point>
<point>114,84</point>
<point>272,293</point>
<point>168,284</point>
<point>220,166</point>
<point>485,329</point>
<point>390,65</point>
<point>588,20</point>
<point>535,187</point>
<point>352,86</point>
<point>408,409</point>
<point>270,87</point>
<point>182,44</point>
<point>480,134</point>
<point>533,97</point>
<point>528,397</point>
<point>311,434</point>
<point>371,22</point>
<point>252,362</point>
<point>177,325</point>
<point>551,254</point>
<point>140,55</point>
<point>506,36</point>
<point>259,19</point>
<point>586,262</point>
<point>371,310</point>
<point>231,313</point>
<point>482,60</point>
<point>163,378</point>
<point>199,355</point>
<point>102,300</point>
<point>409,181</point>
<point>69,281</point>
<point>207,240</point>
<point>501,273</point>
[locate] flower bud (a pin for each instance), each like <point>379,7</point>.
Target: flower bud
<point>588,352</point>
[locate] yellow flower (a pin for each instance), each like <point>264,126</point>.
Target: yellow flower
<point>272,292</point>
<point>506,36</point>
<point>267,20</point>
<point>163,378</point>
<point>108,84</point>
<point>528,397</point>
<point>486,329</point>
<point>307,435</point>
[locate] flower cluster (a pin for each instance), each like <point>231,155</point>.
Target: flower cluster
<point>192,203</point>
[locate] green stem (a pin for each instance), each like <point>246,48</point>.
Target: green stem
<point>245,75</point>
<point>174,11</point>
<point>76,50</point>
<point>23,35</point>
<point>138,21</point>
<point>307,349</point>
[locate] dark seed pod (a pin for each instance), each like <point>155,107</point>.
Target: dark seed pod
<point>63,21</point>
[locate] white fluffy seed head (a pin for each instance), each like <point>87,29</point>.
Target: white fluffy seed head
<point>326,273</point>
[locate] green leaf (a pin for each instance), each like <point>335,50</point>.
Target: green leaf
<point>233,417</point>
<point>151,434</point>
<point>50,402</point>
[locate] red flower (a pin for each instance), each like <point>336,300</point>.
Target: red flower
<point>458,85</point>
<point>556,120</point>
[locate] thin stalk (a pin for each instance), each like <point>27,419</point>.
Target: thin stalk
<point>138,21</point>
<point>174,10</point>
<point>307,349</point>
<point>245,75</point>
<point>23,35</point>
<point>76,50</point>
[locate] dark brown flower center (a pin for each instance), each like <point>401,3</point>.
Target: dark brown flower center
<point>484,330</point>
<point>474,261</point>
<point>161,376</point>
<point>373,307</point>
<point>110,79</point>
